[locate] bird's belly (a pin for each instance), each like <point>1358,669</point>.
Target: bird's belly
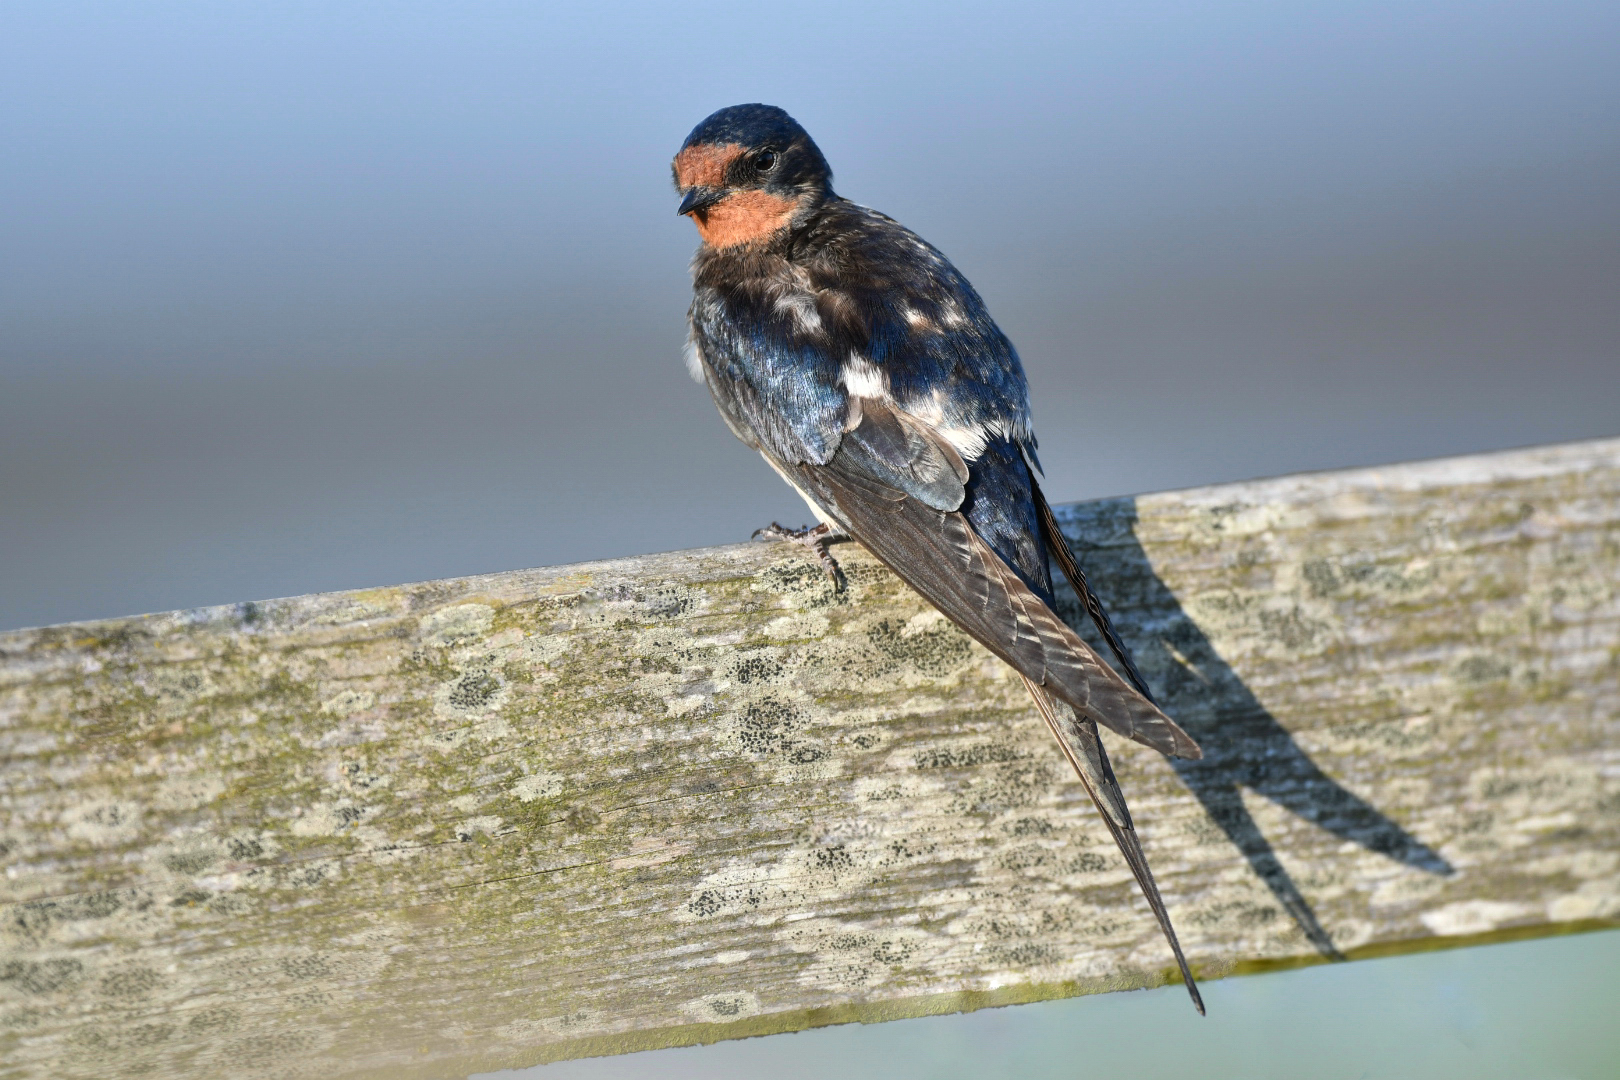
<point>821,515</point>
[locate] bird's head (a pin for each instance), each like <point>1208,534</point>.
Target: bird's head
<point>748,172</point>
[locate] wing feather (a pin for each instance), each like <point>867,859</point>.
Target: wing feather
<point>938,554</point>
<point>1082,745</point>
<point>1058,545</point>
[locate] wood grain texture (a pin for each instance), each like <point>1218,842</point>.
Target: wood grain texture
<point>485,822</point>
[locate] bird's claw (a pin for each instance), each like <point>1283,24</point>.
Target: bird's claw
<point>816,539</point>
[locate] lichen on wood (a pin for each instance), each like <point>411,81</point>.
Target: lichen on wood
<point>485,822</point>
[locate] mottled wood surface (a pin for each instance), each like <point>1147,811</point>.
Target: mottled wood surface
<point>424,830</point>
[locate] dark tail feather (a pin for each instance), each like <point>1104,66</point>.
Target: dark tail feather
<point>1081,744</point>
<point>1058,546</point>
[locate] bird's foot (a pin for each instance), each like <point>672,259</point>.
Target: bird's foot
<point>816,539</point>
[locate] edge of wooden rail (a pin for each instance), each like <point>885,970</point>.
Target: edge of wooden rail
<point>966,1001</point>
<point>1514,463</point>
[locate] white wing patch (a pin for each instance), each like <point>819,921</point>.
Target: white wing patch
<point>968,439</point>
<point>862,378</point>
<point>801,308</point>
<point>951,315</point>
<point>917,320</point>
<point>694,360</point>
<point>792,294</point>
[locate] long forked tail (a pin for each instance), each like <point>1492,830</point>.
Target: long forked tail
<point>1058,546</point>
<point>1081,744</point>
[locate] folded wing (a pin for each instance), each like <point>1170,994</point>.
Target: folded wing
<point>896,486</point>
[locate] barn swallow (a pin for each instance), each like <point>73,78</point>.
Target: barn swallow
<point>865,369</point>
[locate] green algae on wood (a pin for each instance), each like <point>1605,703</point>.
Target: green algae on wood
<point>433,829</point>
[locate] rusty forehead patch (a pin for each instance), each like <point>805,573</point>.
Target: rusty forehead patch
<point>705,164</point>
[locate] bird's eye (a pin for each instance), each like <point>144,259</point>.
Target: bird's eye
<point>765,161</point>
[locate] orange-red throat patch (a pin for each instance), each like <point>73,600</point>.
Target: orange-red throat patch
<point>743,217</point>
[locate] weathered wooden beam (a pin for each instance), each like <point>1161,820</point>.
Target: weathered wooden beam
<point>492,821</point>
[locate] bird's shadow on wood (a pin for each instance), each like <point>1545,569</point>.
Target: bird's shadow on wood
<point>1243,744</point>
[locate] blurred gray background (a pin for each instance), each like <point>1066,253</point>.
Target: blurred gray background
<point>299,297</point>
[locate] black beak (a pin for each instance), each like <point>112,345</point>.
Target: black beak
<point>700,198</point>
